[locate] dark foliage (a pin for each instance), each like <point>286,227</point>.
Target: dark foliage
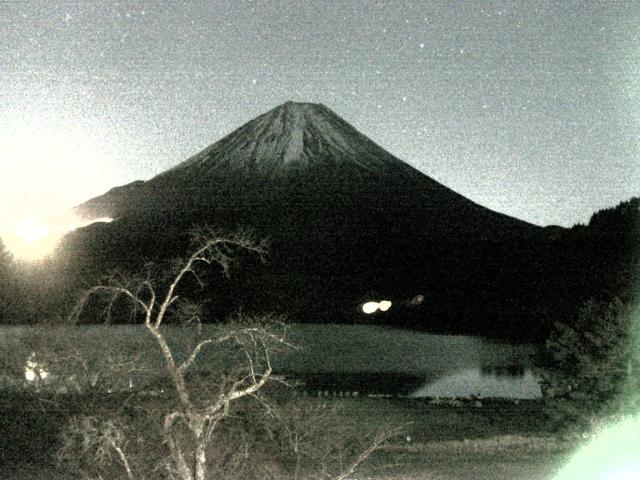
<point>5,279</point>
<point>591,365</point>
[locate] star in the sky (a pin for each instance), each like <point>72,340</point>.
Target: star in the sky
<point>354,51</point>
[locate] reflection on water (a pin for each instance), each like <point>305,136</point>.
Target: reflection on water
<point>486,382</point>
<point>379,360</point>
<point>516,371</point>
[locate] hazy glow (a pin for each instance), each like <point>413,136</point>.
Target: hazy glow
<point>417,300</point>
<point>51,161</point>
<point>31,241</point>
<point>35,239</point>
<point>47,167</point>
<point>613,455</point>
<point>31,231</point>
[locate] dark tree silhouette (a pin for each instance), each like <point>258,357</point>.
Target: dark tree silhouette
<point>7,282</point>
<point>591,368</point>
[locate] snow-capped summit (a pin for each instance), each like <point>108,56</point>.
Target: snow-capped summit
<point>300,163</point>
<point>292,135</point>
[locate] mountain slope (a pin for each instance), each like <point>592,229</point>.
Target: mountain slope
<point>293,135</point>
<point>345,219</point>
<point>302,155</point>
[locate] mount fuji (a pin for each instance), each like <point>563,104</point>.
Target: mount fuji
<point>346,219</point>
<point>303,155</point>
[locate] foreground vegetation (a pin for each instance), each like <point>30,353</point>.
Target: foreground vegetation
<point>498,440</point>
<point>219,418</point>
<point>237,419</point>
<point>590,370</point>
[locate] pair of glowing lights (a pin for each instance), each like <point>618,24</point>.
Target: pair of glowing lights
<point>372,307</point>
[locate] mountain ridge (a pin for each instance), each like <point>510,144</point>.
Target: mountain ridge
<point>290,133</point>
<point>300,154</point>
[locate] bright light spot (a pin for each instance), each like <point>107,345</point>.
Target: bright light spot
<point>32,230</point>
<point>385,305</point>
<point>370,307</point>
<point>31,239</point>
<point>53,157</point>
<point>34,239</point>
<point>29,374</point>
<point>34,370</point>
<point>613,455</point>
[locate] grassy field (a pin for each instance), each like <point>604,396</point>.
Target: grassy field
<point>493,440</point>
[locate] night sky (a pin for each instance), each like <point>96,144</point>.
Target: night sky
<point>529,108</point>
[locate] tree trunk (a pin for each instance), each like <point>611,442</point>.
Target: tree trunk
<point>296,451</point>
<point>201,461</point>
<point>181,465</point>
<point>179,461</point>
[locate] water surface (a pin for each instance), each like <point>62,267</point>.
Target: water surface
<point>331,358</point>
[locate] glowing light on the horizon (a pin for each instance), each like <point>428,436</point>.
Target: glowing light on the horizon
<point>35,239</point>
<point>31,240</point>
<point>52,159</point>
<point>31,230</point>
<point>75,225</point>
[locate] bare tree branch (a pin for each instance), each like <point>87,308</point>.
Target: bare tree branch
<point>193,410</point>
<point>379,440</point>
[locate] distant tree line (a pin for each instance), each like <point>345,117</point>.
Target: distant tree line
<point>590,364</point>
<point>7,282</point>
<point>34,293</point>
<point>517,289</point>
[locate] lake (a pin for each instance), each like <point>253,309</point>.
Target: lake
<point>390,361</point>
<point>329,359</point>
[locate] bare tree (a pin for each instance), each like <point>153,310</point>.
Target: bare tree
<point>187,428</point>
<point>211,373</point>
<point>317,444</point>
